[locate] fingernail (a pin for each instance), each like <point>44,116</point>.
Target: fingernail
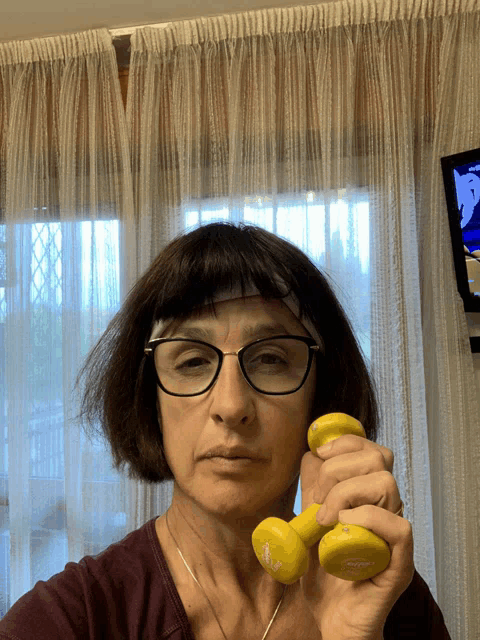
<point>324,449</point>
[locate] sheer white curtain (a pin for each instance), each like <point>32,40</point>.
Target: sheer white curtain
<point>66,199</point>
<point>324,124</point>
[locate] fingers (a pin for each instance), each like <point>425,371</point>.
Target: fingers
<point>345,466</point>
<point>379,489</point>
<point>353,472</point>
<point>349,443</point>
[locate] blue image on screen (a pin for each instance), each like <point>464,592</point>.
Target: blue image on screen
<point>467,189</point>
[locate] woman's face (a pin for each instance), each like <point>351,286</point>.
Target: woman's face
<point>232,413</point>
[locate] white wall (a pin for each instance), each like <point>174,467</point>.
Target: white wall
<point>25,19</point>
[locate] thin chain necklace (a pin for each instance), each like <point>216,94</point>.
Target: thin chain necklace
<point>276,610</point>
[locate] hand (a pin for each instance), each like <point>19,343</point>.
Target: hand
<point>356,476</point>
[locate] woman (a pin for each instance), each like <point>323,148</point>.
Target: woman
<point>226,419</point>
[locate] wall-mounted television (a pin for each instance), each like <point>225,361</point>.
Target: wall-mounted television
<point>461,178</point>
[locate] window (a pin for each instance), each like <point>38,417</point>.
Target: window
<point>59,305</point>
<point>69,293</point>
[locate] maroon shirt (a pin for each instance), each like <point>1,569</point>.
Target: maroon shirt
<point>127,592</point>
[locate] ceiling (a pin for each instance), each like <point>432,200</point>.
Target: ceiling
<point>26,19</point>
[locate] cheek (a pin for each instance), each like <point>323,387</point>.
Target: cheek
<point>179,439</point>
<point>294,444</point>
<point>169,410</point>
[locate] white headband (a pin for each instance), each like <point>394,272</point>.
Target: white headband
<point>291,301</point>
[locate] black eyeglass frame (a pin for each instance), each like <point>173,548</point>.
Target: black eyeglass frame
<point>313,349</point>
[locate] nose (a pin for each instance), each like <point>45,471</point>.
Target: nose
<point>231,372</point>
<point>231,401</point>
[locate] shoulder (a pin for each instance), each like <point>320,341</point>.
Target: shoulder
<point>416,615</point>
<point>119,593</point>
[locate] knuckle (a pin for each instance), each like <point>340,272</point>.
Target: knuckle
<point>391,458</point>
<point>345,492</point>
<point>389,480</point>
<point>408,529</point>
<point>330,492</point>
<point>379,458</point>
<point>324,472</point>
<point>371,510</point>
<point>387,457</point>
<point>348,438</point>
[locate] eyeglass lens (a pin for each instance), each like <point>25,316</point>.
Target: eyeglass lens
<point>276,365</point>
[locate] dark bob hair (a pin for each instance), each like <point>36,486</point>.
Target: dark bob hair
<point>120,391</point>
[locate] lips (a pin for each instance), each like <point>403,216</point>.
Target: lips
<point>222,451</point>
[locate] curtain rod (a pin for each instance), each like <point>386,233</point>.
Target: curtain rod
<point>127,31</point>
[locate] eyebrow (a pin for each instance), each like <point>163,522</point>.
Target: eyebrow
<point>250,331</point>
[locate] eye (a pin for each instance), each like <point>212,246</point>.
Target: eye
<point>187,364</point>
<point>271,358</point>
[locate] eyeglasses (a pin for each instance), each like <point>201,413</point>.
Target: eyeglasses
<point>275,366</point>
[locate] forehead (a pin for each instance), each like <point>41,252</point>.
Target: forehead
<point>242,313</point>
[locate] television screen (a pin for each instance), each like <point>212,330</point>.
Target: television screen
<point>461,176</point>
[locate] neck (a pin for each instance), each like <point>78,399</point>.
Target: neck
<point>218,547</point>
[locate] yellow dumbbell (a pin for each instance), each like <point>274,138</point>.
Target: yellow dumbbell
<point>347,551</point>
